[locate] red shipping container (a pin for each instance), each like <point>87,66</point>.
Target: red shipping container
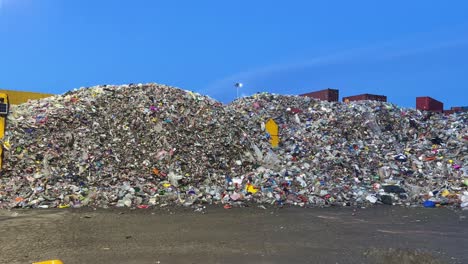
<point>458,109</point>
<point>449,112</point>
<point>360,97</point>
<point>330,95</point>
<point>427,103</point>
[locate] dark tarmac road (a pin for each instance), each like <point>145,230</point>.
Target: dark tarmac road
<point>239,235</point>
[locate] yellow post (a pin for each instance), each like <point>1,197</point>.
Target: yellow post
<point>272,129</point>
<point>2,133</point>
<point>3,100</point>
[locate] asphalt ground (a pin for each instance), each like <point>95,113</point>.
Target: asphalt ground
<point>382,234</point>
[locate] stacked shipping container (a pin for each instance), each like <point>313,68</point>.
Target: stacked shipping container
<point>427,103</point>
<point>360,97</point>
<point>456,109</point>
<point>459,108</point>
<point>424,103</point>
<point>330,95</point>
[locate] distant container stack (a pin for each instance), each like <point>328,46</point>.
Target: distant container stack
<point>459,108</point>
<point>426,103</point>
<point>361,97</point>
<point>456,109</point>
<point>330,95</point>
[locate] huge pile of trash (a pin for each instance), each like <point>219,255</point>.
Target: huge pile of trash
<point>153,145</point>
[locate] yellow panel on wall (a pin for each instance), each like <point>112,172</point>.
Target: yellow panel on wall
<point>19,97</point>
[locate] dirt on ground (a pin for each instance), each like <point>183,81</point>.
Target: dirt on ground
<point>239,235</point>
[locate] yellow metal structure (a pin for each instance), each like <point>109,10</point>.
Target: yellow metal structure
<point>11,97</point>
<point>272,129</point>
<point>19,97</point>
<point>55,261</point>
<point>4,100</point>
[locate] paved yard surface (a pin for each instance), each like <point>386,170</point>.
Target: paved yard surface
<point>239,235</point>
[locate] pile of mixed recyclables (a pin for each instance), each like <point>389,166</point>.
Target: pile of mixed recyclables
<point>151,145</point>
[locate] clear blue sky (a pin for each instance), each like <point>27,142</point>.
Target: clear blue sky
<point>402,49</point>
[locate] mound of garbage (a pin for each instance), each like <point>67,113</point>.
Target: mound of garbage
<point>153,145</point>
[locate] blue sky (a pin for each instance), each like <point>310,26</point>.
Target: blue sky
<point>402,49</point>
